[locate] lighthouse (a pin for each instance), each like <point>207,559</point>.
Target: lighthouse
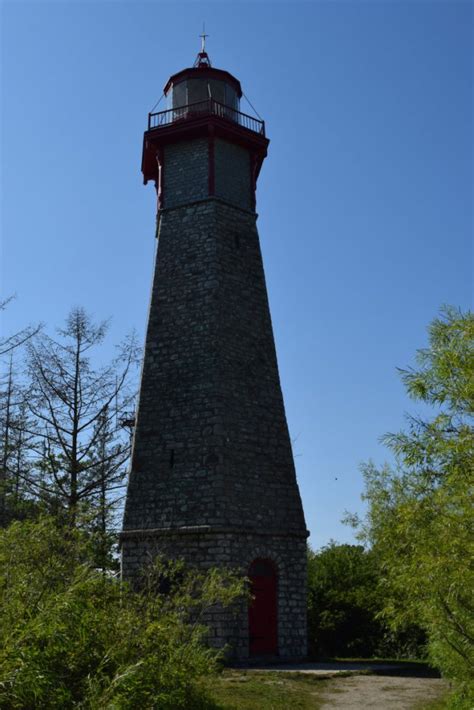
<point>212,478</point>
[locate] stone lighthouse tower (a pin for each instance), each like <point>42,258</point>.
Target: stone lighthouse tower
<point>212,476</point>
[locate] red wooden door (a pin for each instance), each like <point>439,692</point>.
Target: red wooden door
<point>263,618</point>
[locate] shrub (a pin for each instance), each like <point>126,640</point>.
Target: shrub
<point>74,637</point>
<point>345,604</point>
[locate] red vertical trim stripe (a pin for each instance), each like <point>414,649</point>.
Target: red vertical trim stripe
<point>211,167</point>
<point>161,177</point>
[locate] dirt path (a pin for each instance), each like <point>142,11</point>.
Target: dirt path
<point>380,692</point>
<point>372,684</point>
<point>325,669</point>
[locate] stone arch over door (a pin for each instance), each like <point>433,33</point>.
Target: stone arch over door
<point>263,608</point>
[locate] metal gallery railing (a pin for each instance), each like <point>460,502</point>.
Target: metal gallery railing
<point>209,107</point>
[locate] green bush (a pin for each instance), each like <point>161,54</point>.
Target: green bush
<point>74,637</point>
<point>344,607</point>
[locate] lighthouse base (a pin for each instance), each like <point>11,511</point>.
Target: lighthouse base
<point>273,623</point>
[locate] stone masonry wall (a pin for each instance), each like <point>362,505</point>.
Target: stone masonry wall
<point>212,476</point>
<point>236,551</point>
<point>186,170</point>
<point>211,444</point>
<point>232,173</point>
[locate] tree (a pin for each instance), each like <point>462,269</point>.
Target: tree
<point>420,517</point>
<point>13,426</point>
<point>109,462</point>
<point>10,343</point>
<point>6,409</point>
<point>345,603</point>
<point>72,637</point>
<point>14,442</point>
<point>80,449</point>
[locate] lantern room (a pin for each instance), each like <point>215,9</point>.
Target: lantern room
<point>194,87</point>
<point>202,102</point>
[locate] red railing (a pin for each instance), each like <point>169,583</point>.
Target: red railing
<point>209,107</point>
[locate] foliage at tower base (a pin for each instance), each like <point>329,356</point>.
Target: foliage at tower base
<point>421,516</point>
<point>75,637</point>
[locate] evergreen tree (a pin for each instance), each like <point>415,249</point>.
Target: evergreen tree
<point>10,343</point>
<point>81,449</point>
<point>14,436</point>
<point>15,440</point>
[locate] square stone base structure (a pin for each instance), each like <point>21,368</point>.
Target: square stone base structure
<point>203,548</point>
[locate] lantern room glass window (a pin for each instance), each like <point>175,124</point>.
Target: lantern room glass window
<point>178,95</point>
<point>193,91</point>
<point>197,91</point>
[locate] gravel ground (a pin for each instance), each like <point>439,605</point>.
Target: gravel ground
<point>323,668</point>
<point>380,692</point>
<point>397,686</point>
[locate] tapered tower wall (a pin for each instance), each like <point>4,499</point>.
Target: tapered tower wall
<point>212,478</point>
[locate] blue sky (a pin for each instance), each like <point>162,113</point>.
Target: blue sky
<point>365,200</point>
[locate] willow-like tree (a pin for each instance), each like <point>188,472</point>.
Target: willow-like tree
<point>77,406</point>
<point>421,515</point>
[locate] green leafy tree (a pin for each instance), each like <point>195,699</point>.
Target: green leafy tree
<point>72,637</point>
<point>342,601</point>
<point>345,603</point>
<point>421,515</point>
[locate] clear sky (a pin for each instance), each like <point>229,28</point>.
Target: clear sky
<point>365,200</point>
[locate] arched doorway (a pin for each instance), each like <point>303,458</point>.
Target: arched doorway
<point>263,608</point>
